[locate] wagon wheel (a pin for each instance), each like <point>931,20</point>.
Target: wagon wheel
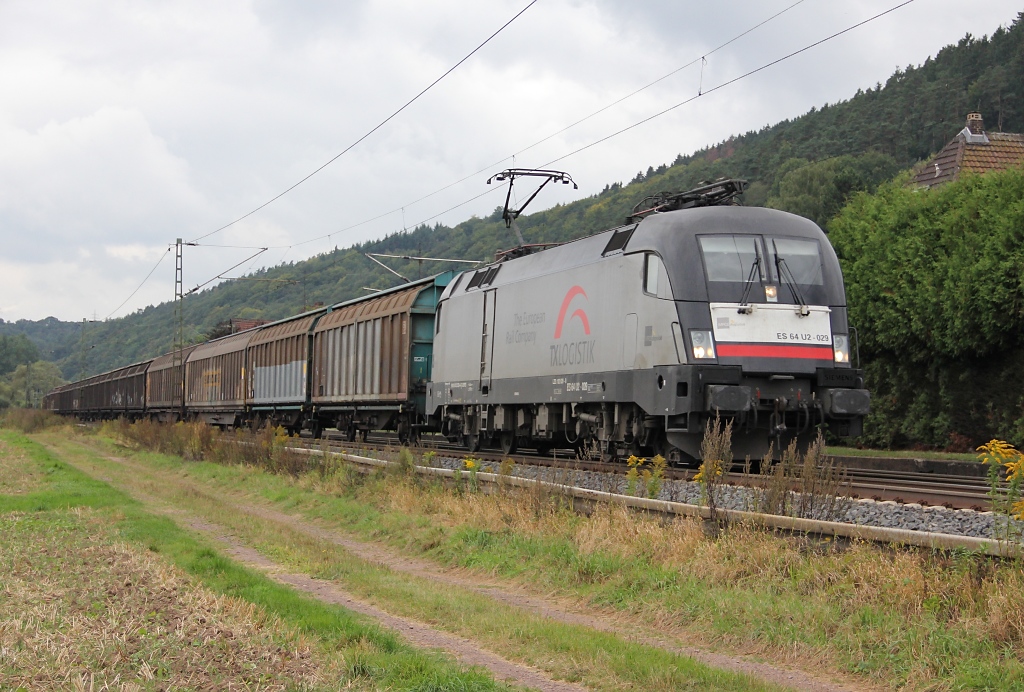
<point>472,442</point>
<point>508,441</point>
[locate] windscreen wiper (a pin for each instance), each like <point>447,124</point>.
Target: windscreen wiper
<point>755,266</point>
<point>787,278</point>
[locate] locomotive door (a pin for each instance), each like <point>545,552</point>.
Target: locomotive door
<point>487,340</point>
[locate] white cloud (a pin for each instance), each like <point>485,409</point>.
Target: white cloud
<point>124,125</point>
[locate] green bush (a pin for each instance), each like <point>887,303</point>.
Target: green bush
<point>935,287</point>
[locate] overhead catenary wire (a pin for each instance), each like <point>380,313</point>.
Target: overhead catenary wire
<point>376,127</point>
<point>139,287</point>
<point>598,141</point>
<point>221,275</point>
<point>729,82</point>
<point>544,139</point>
<point>692,99</point>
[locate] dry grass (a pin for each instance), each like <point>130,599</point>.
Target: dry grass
<point>79,611</point>
<point>18,473</point>
<point>914,618</point>
<point>802,601</point>
<point>266,448</point>
<point>29,420</point>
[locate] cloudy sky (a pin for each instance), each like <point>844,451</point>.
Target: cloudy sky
<point>125,124</point>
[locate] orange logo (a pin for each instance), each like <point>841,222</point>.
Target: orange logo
<point>573,292</point>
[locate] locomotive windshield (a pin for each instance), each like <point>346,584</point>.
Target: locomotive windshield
<point>733,262</point>
<point>731,258</point>
<point>802,258</point>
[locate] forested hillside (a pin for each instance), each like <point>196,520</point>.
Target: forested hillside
<point>810,165</point>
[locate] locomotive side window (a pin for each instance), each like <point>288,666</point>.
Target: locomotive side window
<point>731,258</point>
<point>653,269</point>
<point>802,258</point>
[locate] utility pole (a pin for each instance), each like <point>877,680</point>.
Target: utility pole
<point>178,398</point>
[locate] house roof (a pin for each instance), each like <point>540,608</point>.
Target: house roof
<point>972,150</point>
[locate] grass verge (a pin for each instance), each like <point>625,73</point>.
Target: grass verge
<point>893,618</point>
<point>598,659</point>
<point>369,656</point>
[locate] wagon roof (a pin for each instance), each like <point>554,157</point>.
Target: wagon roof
<point>227,344</point>
<point>299,324</point>
<point>167,360</point>
<point>392,302</point>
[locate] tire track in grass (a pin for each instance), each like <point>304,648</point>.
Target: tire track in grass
<point>375,553</point>
<point>391,559</point>
<point>416,633</point>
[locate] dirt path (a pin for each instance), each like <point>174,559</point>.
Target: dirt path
<point>372,552</point>
<point>416,633</point>
<point>502,592</point>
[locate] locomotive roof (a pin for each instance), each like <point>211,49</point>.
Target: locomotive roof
<point>672,235</point>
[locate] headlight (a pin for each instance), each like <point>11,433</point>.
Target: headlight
<point>703,344</point>
<point>841,347</point>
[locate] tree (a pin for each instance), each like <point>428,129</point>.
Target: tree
<point>29,383</point>
<point>819,190</point>
<point>16,350</point>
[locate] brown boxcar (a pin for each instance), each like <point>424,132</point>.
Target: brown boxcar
<point>164,386</point>
<point>113,394</point>
<point>278,370</point>
<point>371,359</point>
<point>215,380</point>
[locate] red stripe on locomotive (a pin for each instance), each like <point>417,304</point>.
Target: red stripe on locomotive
<point>775,351</point>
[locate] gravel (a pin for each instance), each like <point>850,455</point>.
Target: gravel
<point>889,514</point>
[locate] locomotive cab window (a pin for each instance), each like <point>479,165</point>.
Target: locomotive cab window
<point>801,257</point>
<point>732,258</point>
<point>652,269</point>
<point>796,263</point>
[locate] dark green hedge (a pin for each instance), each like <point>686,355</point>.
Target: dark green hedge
<point>935,285</point>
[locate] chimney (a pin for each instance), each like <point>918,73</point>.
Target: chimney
<point>975,125</point>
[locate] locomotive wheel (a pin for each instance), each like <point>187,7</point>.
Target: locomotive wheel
<point>544,450</point>
<point>472,442</point>
<point>508,441</point>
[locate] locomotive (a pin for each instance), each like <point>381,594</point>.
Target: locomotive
<point>631,339</point>
<point>624,342</point>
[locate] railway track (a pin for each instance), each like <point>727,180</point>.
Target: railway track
<point>950,490</point>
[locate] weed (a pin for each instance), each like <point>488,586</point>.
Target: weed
<point>802,484</point>
<point>1006,481</point>
<point>716,455</point>
<point>472,466</point>
<point>656,476</point>
<point>405,464</point>
<point>633,474</point>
